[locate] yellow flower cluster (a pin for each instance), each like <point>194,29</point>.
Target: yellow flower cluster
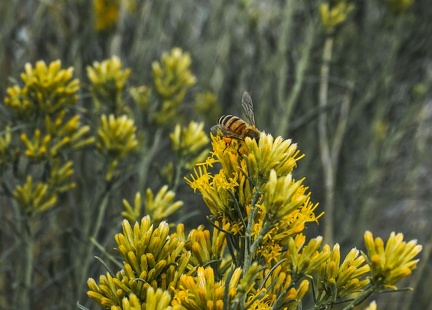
<point>158,208</point>
<point>61,134</point>
<point>206,248</point>
<point>189,143</point>
<point>340,280</point>
<point>48,129</point>
<point>141,96</point>
<point>204,292</point>
<point>256,197</point>
<point>256,256</point>
<point>391,262</point>
<point>152,258</point>
<point>336,15</point>
<point>206,105</point>
<point>255,173</point>
<point>108,80</point>
<point>116,135</point>
<point>34,198</point>
<point>116,139</point>
<point>47,89</point>
<point>172,78</point>
<point>107,13</point>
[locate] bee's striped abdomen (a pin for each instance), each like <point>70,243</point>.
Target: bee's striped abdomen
<point>233,123</point>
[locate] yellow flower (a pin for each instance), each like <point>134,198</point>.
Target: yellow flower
<point>158,300</point>
<point>69,131</point>
<point>270,154</point>
<point>310,259</point>
<point>203,291</point>
<point>152,258</point>
<point>34,198</point>
<point>206,247</point>
<point>172,78</point>
<point>215,189</point>
<point>189,141</point>
<point>107,13</point>
<point>116,136</point>
<point>47,89</point>
<point>132,213</point>
<point>275,288</point>
<point>141,95</point>
<point>39,146</point>
<point>60,175</point>
<point>331,17</point>
<point>282,195</point>
<point>338,281</point>
<point>391,262</point>
<point>108,79</point>
<point>161,206</point>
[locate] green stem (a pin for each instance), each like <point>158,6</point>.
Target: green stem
<point>250,247</point>
<point>24,292</point>
<point>360,298</point>
<point>302,66</point>
<point>147,160</point>
<point>89,245</point>
<point>324,142</point>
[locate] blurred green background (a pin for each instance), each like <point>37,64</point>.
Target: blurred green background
<point>352,89</point>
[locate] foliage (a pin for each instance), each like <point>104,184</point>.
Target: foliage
<point>63,155</point>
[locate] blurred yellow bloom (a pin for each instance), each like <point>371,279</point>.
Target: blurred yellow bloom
<point>5,141</point>
<point>141,96</point>
<point>372,306</point>
<point>70,131</point>
<point>38,147</point>
<point>116,139</point>
<point>337,14</point>
<point>34,198</point>
<point>390,262</point>
<point>206,105</point>
<point>132,213</point>
<point>47,89</point>
<point>162,205</point>
<point>116,136</point>
<point>172,78</point>
<point>399,6</point>
<point>189,142</point>
<point>107,13</point>
<point>60,175</point>
<point>108,80</point>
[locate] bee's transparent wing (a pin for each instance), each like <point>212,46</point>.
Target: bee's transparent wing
<point>248,108</point>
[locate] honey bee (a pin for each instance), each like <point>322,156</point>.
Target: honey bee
<point>232,126</point>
